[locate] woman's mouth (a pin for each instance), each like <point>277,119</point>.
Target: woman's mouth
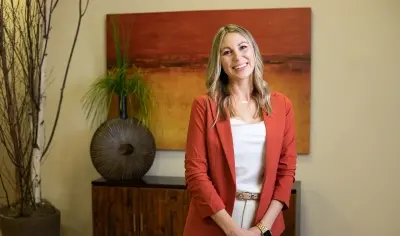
<point>240,67</point>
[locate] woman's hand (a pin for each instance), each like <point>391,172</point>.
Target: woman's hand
<point>254,231</point>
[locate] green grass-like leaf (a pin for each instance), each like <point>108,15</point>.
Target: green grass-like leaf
<point>143,103</point>
<point>117,81</point>
<point>97,101</point>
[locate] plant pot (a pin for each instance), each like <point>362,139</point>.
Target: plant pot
<point>34,225</point>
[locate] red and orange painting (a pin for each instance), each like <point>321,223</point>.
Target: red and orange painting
<point>172,49</point>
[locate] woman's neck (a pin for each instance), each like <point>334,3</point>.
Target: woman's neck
<point>241,91</point>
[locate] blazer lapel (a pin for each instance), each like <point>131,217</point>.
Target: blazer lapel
<point>225,136</point>
<point>268,144</point>
<point>269,147</point>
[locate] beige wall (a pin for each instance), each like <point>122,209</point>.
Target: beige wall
<point>350,179</point>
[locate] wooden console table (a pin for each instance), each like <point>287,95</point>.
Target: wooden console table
<point>155,206</point>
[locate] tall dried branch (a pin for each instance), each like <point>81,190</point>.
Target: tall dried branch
<point>82,13</point>
<point>25,28</point>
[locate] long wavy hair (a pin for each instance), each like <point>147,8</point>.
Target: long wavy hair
<point>217,80</point>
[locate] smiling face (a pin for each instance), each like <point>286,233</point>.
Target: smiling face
<point>237,56</point>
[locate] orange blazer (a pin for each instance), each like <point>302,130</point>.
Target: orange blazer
<point>210,165</point>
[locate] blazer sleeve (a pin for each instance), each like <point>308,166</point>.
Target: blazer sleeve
<point>287,162</point>
<point>202,191</point>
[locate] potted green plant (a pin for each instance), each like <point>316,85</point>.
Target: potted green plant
<point>24,36</point>
<point>126,82</point>
<point>122,146</point>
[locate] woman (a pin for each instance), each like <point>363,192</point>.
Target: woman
<point>240,156</point>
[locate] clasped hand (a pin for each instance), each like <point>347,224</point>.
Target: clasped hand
<point>253,231</point>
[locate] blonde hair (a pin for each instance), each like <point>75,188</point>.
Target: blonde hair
<point>217,80</point>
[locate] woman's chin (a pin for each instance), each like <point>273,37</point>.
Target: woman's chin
<point>243,75</point>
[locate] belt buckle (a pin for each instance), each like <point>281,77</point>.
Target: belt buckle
<point>246,196</point>
<point>240,196</point>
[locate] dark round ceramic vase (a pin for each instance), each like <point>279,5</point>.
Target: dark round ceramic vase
<point>122,149</point>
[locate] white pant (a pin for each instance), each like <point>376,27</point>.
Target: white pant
<point>244,212</point>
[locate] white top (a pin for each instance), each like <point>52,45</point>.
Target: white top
<point>249,149</point>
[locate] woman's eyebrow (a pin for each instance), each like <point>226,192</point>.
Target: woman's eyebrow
<point>226,47</point>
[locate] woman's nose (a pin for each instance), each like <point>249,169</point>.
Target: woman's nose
<point>236,56</point>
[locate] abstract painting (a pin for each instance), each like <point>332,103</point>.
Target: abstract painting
<point>172,49</point>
